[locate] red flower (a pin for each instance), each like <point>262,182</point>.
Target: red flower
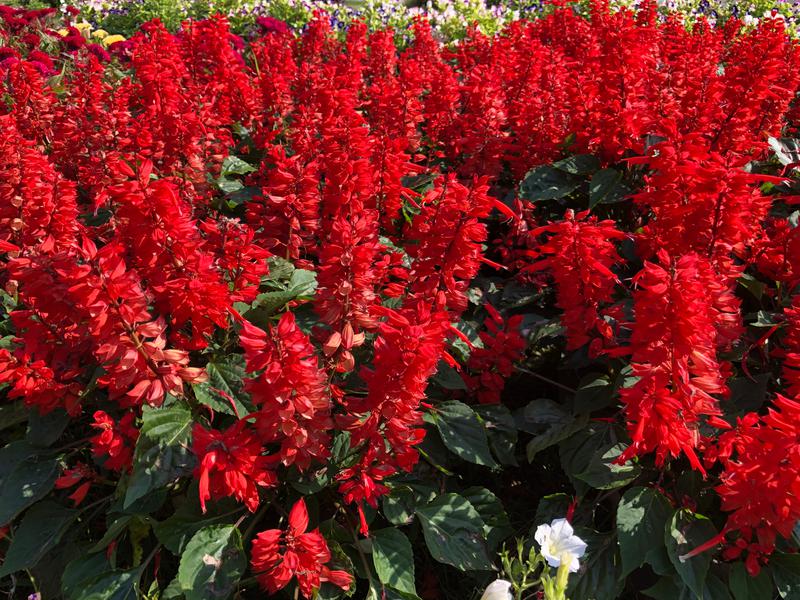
<point>279,555</point>
<point>231,463</point>
<point>72,477</point>
<point>580,254</point>
<point>674,354</point>
<point>291,390</point>
<point>493,364</point>
<point>116,441</point>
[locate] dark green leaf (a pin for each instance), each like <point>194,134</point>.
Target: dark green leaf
<point>786,575</point>
<point>40,530</point>
<point>579,453</point>
<point>600,576</point>
<point>114,530</point>
<point>683,533</point>
<point>13,454</point>
<point>212,563</point>
<point>501,430</point>
<point>579,164</point>
<point>555,434</point>
<point>463,433</point>
<point>607,187</point>
<point>82,571</point>
<point>224,390</point>
<point>595,391</point>
<point>745,587</point>
<point>642,515</point>
<point>491,510</point>
<point>603,472</point>
<point>119,585</point>
<point>12,413</point>
<point>399,505</point>
<point>453,532</point>
<point>447,377</point>
<point>162,454</point>
<point>546,183</point>
<point>44,430</point>
<point>554,506</point>
<point>29,481</point>
<point>393,558</point>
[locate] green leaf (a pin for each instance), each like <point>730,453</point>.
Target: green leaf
<point>463,433</point>
<point>642,515</point>
<point>501,431</point>
<point>453,532</point>
<point>666,588</point>
<point>607,187</point>
<point>540,413</point>
<point>12,413</point>
<point>162,454</point>
<point>555,434</point>
<point>176,531</point>
<point>114,530</point>
<point>399,505</point>
<point>786,574</point>
<point>212,563</point>
<point>29,481</point>
<point>447,377</point>
<point>600,576</point>
<point>224,390</point>
<point>119,585</point>
<point>553,506</point>
<point>13,454</point>
<point>745,587</point>
<point>44,430</point>
<point>393,558</point>
<point>579,164</point>
<point>595,391</point>
<point>547,183</point>
<point>498,527</point>
<point>603,473</point>
<point>683,533</point>
<point>582,455</point>
<point>233,165</point>
<point>40,530</point>
<point>81,572</point>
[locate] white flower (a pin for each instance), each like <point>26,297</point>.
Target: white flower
<point>498,590</point>
<point>559,545</point>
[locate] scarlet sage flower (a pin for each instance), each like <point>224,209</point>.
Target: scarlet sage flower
<point>231,463</point>
<point>580,255</point>
<point>290,389</point>
<point>493,364</point>
<point>116,441</point>
<point>81,474</point>
<point>279,555</point>
<point>759,486</point>
<point>674,354</point>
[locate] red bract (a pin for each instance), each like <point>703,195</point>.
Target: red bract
<point>580,254</point>
<point>115,442</point>
<point>290,389</point>
<point>503,345</point>
<point>449,233</point>
<point>759,485</point>
<point>279,555</point>
<point>674,354</point>
<point>231,463</point>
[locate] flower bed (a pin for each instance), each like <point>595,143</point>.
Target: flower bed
<point>311,314</point>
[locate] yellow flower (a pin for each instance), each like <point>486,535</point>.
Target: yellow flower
<point>63,31</point>
<point>84,28</point>
<point>99,34</point>
<point>111,39</point>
